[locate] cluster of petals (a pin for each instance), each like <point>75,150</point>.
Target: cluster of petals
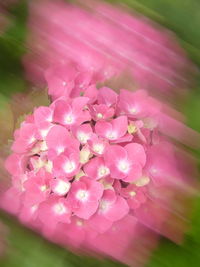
<point>89,163</point>
<point>106,40</point>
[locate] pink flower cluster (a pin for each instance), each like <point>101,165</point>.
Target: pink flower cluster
<point>107,40</point>
<point>90,163</point>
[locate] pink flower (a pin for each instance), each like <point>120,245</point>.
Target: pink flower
<point>67,164</point>
<point>137,128</point>
<point>27,138</point>
<point>118,241</point>
<point>60,80</point>
<point>111,208</point>
<point>83,87</point>
<point>97,145</point>
<point>134,195</point>
<point>125,163</point>
<point>54,210</point>
<point>115,130</point>
<point>83,133</point>
<point>15,164</point>
<point>107,46</point>
<point>96,168</point>
<point>101,112</point>
<point>90,92</point>
<point>78,232</point>
<point>68,81</point>
<point>43,114</point>
<point>37,188</point>
<point>70,113</point>
<point>29,214</point>
<point>11,200</point>
<point>88,170</point>
<point>58,140</point>
<point>137,104</point>
<point>84,197</point>
<point>60,186</point>
<point>107,97</point>
<point>43,129</point>
<point>161,164</point>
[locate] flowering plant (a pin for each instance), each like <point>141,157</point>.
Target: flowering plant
<point>88,171</point>
<point>108,40</point>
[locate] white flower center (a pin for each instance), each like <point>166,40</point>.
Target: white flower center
<point>79,175</point>
<point>124,166</point>
<point>98,148</point>
<point>44,133</point>
<point>154,170</point>
<point>133,110</point>
<point>62,187</point>
<point>49,166</point>
<point>82,195</point>
<point>50,118</point>
<point>104,206</point>
<point>59,209</point>
<point>132,128</point>
<point>32,139</point>
<point>102,171</point>
<point>99,116</point>
<point>79,223</point>
<point>111,135</point>
<point>33,209</point>
<point>69,119</point>
<point>69,166</point>
<point>38,163</point>
<point>60,149</point>
<point>43,146</point>
<point>142,181</point>
<point>132,193</point>
<point>83,137</point>
<point>43,188</point>
<point>84,155</point>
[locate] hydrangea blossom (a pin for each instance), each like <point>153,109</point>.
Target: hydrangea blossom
<point>89,164</point>
<point>107,40</point>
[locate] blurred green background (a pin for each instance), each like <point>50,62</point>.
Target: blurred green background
<point>26,249</point>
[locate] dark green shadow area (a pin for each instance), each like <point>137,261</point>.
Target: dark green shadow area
<point>12,49</point>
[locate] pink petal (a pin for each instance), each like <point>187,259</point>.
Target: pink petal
<point>91,168</point>
<point>60,166</point>
<point>15,164</point>
<point>43,114</point>
<point>91,93</point>
<point>102,128</point>
<point>59,139</point>
<point>134,174</point>
<point>107,96</point>
<point>136,153</point>
<point>117,210</point>
<point>86,210</point>
<point>99,223</point>
<point>120,125</point>
<point>79,103</point>
<point>61,110</point>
